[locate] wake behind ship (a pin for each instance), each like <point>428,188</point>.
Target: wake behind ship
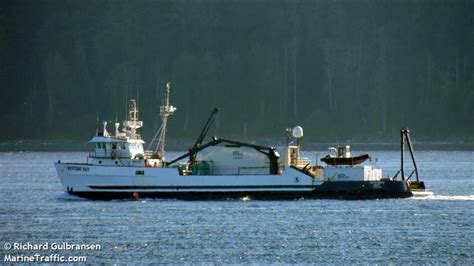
<point>120,167</point>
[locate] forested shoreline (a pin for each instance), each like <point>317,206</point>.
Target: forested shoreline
<point>341,69</point>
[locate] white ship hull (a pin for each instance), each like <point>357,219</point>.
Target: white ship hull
<point>108,182</point>
<point>92,178</point>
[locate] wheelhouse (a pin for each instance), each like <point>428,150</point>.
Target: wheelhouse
<point>108,147</point>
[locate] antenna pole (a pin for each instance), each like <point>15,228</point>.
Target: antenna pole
<point>402,151</point>
<point>412,153</point>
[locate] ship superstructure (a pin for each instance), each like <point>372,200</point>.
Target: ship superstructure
<point>122,147</point>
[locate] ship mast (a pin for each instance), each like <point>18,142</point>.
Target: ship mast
<point>132,124</point>
<point>133,118</point>
<point>165,111</point>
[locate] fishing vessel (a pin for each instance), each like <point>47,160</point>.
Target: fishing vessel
<point>120,167</point>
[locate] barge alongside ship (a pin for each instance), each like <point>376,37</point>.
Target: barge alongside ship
<point>119,167</point>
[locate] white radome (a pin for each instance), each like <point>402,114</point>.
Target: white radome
<point>297,132</point>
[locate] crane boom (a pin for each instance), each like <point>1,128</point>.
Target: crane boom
<point>202,135</point>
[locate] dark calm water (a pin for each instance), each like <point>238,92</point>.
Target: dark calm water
<point>436,229</point>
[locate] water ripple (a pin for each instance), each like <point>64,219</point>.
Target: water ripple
<point>437,229</point>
